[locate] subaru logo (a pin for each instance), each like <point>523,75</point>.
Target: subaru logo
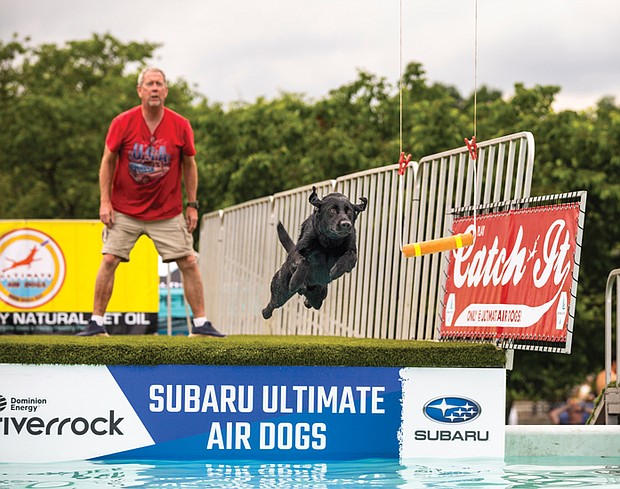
<point>452,410</point>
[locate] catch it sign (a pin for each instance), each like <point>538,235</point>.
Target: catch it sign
<point>517,283</point>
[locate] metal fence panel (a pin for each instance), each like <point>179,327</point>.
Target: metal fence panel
<point>386,295</point>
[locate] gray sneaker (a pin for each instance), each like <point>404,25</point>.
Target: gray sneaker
<point>206,329</point>
<point>93,329</point>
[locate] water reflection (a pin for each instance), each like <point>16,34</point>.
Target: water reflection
<point>383,473</point>
<point>516,473</point>
<point>250,475</point>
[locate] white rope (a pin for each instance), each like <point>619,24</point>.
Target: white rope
<point>475,162</point>
<point>400,124</point>
<point>400,79</point>
<point>401,178</point>
<point>475,66</point>
<point>400,210</point>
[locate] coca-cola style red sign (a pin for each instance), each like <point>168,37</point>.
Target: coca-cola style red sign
<point>515,281</point>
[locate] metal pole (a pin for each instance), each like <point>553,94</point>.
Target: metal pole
<point>169,302</point>
<point>617,326</point>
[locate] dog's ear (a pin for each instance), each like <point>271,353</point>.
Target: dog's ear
<point>314,199</point>
<point>361,207</point>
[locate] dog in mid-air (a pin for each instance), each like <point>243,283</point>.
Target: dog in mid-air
<point>326,250</point>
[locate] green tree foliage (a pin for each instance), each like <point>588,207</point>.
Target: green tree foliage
<point>56,103</point>
<point>579,151</point>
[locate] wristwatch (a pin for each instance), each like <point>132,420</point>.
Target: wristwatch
<point>195,204</point>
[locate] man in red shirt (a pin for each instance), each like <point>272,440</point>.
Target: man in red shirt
<point>149,149</point>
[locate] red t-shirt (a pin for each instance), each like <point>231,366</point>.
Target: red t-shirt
<point>147,178</point>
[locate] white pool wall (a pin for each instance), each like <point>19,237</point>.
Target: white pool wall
<point>562,440</point>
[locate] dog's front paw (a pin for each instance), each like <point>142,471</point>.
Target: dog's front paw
<point>345,264</point>
<point>338,271</point>
<point>299,276</point>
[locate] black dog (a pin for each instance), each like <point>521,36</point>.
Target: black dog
<point>326,250</point>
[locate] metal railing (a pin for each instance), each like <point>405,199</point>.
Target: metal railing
<point>612,396</point>
<point>614,277</point>
<point>386,295</point>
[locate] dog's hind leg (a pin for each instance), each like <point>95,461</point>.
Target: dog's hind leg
<point>279,292</point>
<point>315,296</point>
<point>278,299</point>
<point>267,311</point>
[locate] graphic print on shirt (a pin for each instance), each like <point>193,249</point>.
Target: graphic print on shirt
<point>149,162</point>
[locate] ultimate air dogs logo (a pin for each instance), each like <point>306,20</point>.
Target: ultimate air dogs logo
<point>32,268</point>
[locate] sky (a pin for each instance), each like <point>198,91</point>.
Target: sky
<point>239,50</point>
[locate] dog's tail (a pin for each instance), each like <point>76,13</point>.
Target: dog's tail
<point>284,238</point>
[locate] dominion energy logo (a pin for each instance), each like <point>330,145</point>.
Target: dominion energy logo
<point>32,268</point>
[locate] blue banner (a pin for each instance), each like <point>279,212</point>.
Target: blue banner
<point>282,413</point>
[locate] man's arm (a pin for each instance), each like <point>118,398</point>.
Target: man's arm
<point>190,178</point>
<point>106,175</point>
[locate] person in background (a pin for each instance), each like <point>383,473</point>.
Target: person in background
<point>149,150</point>
<point>600,383</point>
<point>577,408</point>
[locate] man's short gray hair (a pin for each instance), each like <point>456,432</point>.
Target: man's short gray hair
<point>149,69</point>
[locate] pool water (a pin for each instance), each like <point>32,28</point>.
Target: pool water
<point>517,473</point>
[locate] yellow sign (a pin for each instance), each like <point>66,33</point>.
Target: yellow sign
<point>51,266</point>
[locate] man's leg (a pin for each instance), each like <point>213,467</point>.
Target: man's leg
<point>104,285</point>
<point>192,285</point>
<point>194,293</point>
<point>172,244</point>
